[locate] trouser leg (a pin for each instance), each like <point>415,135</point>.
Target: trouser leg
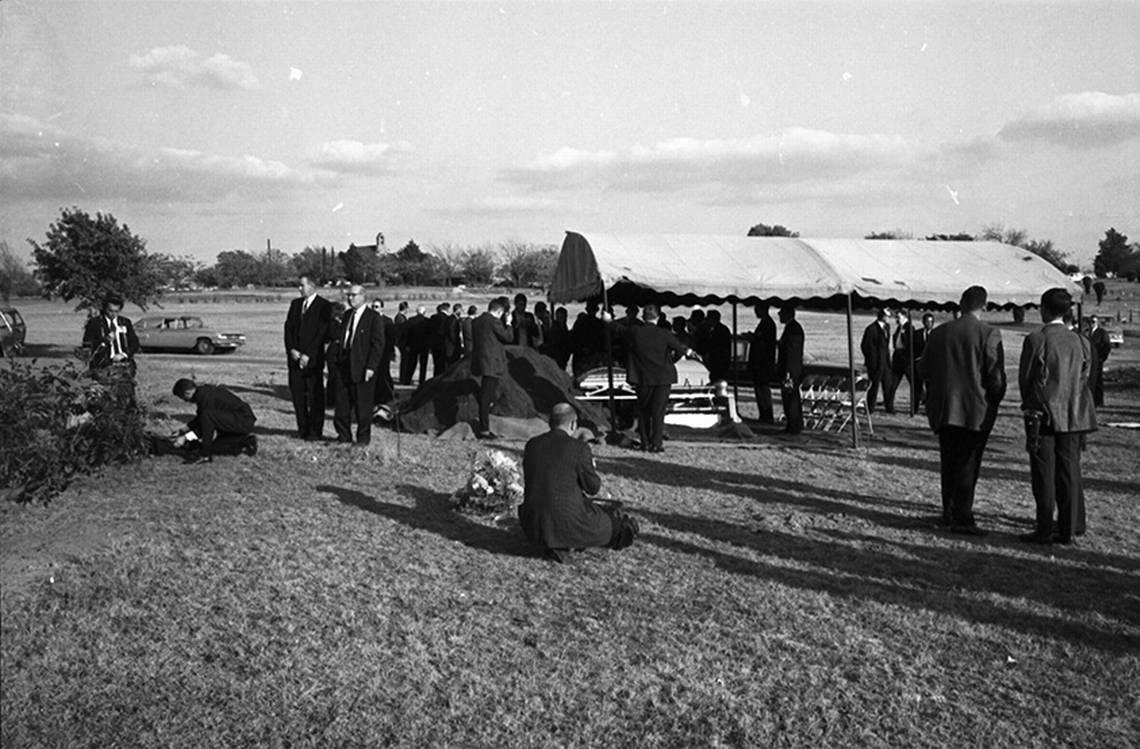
<point>361,393</point>
<point>659,402</point>
<point>644,415</point>
<point>1042,477</point>
<point>763,399</point>
<point>488,389</point>
<point>1067,476</point>
<point>299,393</point>
<point>342,407</point>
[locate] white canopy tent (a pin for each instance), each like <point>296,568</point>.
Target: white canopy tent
<point>709,269</point>
<point>677,269</point>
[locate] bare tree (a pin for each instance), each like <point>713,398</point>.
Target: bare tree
<point>479,265</point>
<point>450,258</point>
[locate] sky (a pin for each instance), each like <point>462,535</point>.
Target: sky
<point>213,126</point>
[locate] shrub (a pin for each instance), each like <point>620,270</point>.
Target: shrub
<point>59,422</point>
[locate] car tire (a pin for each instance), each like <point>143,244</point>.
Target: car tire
<point>204,346</point>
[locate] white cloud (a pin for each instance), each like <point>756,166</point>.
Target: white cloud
<point>354,157</point>
<point>38,161</point>
<point>794,155</point>
<point>1090,119</point>
<point>505,205</point>
<point>181,67</point>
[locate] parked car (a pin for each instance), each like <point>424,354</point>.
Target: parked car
<point>13,331</point>
<point>184,333</point>
<point>1115,332</point>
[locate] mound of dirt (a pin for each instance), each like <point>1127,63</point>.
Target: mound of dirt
<point>532,387</point>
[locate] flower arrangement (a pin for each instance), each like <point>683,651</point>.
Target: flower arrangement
<point>494,485</point>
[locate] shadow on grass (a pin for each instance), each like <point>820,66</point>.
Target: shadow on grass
<point>280,392</point>
<point>946,581</point>
<point>892,513</point>
<point>433,513</point>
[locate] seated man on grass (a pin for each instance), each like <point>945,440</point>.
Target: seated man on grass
<point>559,476</point>
<point>222,425</point>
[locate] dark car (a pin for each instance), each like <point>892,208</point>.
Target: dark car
<point>184,333</point>
<point>12,332</point>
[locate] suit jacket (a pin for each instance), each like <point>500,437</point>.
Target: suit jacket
<point>445,334</point>
<point>367,346</point>
<point>308,332</point>
<point>902,339</point>
<point>876,348</point>
<point>964,368</point>
<point>389,339</point>
<point>97,338</point>
<point>465,334</point>
<point>762,350</point>
<point>1054,378</point>
<point>558,472</point>
<point>1101,346</point>
<point>488,336</point>
<point>718,359</point>
<point>527,331</point>
<point>650,362</point>
<point>790,359</point>
<point>219,410</point>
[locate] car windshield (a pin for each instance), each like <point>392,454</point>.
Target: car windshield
<point>191,322</point>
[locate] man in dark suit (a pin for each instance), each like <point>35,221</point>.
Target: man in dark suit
<point>418,334</point>
<point>652,373</point>
<point>921,336</point>
<point>762,362</point>
<point>223,423</point>
<point>306,334</point>
<point>443,331</point>
<point>1101,347</point>
<point>790,369</point>
<point>359,351</point>
<point>1054,379</point>
<point>718,359</point>
<point>903,357</point>
<point>407,365</point>
<point>964,369</point>
<point>465,330</point>
<point>876,348</point>
<point>385,387</point>
<point>489,358</point>
<point>559,477</point>
<point>110,338</point>
<point>524,326</point>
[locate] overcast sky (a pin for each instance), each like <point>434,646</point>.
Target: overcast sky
<point>214,126</point>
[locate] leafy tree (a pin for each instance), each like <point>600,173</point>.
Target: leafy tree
<point>90,259</point>
<point>274,268</point>
<point>763,230</point>
<point>320,264</point>
<point>479,266</point>
<point>237,268</point>
<point>525,264</point>
<point>177,272</point>
<point>449,262</point>
<point>1114,256</point>
<point>413,266</point>
<point>998,233</point>
<point>361,263</point>
<point>1044,248</point>
<point>15,278</point>
<point>890,234</point>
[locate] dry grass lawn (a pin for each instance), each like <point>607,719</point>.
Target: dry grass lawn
<point>781,594</point>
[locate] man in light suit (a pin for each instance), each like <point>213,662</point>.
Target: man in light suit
<point>1058,407</point>
<point>876,348</point>
<point>359,351</point>
<point>306,334</point>
<point>964,369</point>
<point>489,358</point>
<point>652,373</point>
<point>111,338</point>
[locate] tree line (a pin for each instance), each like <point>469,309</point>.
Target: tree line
<point>86,258</point>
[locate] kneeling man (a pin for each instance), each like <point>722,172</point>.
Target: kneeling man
<point>559,474</point>
<point>223,423</point>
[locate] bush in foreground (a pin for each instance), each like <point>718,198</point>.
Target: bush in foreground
<point>57,423</point>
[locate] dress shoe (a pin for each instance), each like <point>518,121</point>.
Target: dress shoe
<point>1037,538</point>
<point>249,445</point>
<point>657,449</point>
<point>1063,540</point>
<point>487,435</point>
<point>967,530</point>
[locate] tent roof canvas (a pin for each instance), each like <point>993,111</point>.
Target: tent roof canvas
<point>711,269</point>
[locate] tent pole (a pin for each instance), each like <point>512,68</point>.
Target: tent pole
<point>609,365</point>
<point>735,396</point>
<point>851,374</point>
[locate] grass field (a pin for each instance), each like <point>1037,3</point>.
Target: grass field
<point>781,594</point>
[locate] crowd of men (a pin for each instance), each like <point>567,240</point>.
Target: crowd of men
<point>956,372</point>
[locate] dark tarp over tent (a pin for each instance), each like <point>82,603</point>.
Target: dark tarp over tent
<point>687,270</point>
